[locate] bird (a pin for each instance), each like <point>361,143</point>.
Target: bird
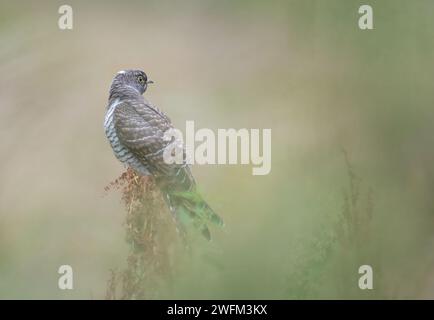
<point>135,130</point>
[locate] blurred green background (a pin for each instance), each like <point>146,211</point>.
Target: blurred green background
<point>328,90</point>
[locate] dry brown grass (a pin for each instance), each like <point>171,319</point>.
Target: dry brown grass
<point>151,235</point>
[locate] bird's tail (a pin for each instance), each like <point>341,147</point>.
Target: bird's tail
<point>190,209</point>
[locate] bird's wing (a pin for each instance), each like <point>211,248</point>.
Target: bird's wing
<point>141,129</point>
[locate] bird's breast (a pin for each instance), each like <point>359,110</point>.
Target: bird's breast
<point>121,152</point>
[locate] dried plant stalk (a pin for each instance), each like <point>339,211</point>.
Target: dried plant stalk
<point>151,235</point>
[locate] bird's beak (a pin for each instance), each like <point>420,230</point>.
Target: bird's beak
<point>149,82</point>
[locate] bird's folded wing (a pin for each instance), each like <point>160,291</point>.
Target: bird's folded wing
<point>141,129</point>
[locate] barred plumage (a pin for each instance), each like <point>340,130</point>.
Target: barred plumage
<point>135,129</point>
<point>120,151</point>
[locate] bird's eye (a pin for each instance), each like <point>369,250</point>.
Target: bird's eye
<point>141,80</point>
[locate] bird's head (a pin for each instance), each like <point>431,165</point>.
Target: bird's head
<point>132,79</point>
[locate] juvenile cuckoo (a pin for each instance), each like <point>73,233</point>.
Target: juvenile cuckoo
<point>135,129</point>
